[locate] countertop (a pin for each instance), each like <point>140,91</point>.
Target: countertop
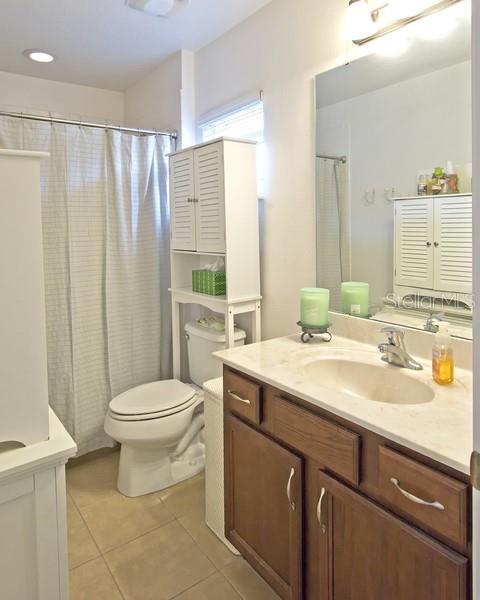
<point>441,429</point>
<point>25,459</point>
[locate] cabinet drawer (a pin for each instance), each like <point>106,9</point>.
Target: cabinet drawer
<point>332,446</point>
<point>242,397</point>
<point>432,500</point>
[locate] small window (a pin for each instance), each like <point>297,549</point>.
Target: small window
<point>245,122</point>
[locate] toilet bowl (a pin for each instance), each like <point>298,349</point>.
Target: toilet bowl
<point>160,424</point>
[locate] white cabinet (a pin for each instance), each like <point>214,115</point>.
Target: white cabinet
<point>433,245</point>
<point>214,215</point>
<point>198,199</point>
<point>453,244</point>
<point>23,348</point>
<point>182,207</point>
<point>33,543</point>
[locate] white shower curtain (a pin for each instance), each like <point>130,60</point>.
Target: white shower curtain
<point>333,228</point>
<point>107,268</point>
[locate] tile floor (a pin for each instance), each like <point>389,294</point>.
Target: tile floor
<point>156,547</point>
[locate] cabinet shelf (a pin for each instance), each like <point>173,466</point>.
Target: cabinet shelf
<point>195,253</point>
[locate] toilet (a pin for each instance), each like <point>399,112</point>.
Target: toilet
<point>160,425</point>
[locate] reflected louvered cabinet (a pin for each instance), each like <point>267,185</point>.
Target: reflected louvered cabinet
<point>433,245</point>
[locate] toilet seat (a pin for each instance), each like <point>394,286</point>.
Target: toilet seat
<point>152,401</point>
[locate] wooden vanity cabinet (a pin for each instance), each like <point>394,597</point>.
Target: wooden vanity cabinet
<point>367,553</point>
<point>264,505</point>
<point>326,510</point>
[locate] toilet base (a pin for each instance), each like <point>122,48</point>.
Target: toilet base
<point>146,470</point>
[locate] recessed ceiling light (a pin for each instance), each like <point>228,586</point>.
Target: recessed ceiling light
<point>158,8</point>
<point>39,56</point>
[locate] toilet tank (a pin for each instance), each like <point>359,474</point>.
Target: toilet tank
<point>201,342</point>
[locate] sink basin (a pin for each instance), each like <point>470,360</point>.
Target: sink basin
<point>390,385</point>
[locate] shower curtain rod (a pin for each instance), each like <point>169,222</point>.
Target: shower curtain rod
<point>29,117</point>
<point>342,159</point>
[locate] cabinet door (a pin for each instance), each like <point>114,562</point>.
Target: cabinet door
<point>182,202</point>
<point>210,200</point>
<point>366,553</point>
<point>414,243</point>
<point>453,244</point>
<point>263,506</point>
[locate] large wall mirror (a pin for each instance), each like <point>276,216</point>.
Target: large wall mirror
<point>393,183</point>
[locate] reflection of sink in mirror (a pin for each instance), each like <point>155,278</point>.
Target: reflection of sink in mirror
<point>369,382</point>
<point>376,137</point>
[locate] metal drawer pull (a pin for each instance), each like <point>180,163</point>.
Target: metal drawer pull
<point>415,499</point>
<point>289,489</point>
<point>319,509</point>
<point>237,397</point>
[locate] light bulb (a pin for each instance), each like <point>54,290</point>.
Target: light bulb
<point>359,20</point>
<point>434,27</point>
<point>393,44</point>
<point>403,9</point>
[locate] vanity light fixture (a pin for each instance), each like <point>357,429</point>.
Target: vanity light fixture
<point>39,55</point>
<point>366,25</point>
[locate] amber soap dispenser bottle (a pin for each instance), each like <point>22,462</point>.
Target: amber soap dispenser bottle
<point>442,355</point>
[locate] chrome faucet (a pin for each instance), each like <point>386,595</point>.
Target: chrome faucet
<point>431,325</point>
<point>394,351</point>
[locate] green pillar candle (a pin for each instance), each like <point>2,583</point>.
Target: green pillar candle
<point>355,298</point>
<point>314,305</point>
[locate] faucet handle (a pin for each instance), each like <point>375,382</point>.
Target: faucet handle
<point>394,333</point>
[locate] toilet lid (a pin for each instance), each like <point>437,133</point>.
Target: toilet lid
<point>155,397</point>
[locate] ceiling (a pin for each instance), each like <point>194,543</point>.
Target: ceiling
<point>102,43</point>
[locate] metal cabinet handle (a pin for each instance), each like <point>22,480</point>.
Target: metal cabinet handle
<point>415,499</point>
<point>237,397</point>
<point>436,244</point>
<point>428,244</point>
<point>289,489</point>
<point>190,199</point>
<point>319,509</point>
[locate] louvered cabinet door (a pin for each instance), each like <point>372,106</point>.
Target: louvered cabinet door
<point>453,244</point>
<point>414,243</point>
<point>210,198</point>
<point>182,204</point>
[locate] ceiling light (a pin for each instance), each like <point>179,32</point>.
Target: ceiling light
<point>359,20</point>
<point>39,56</point>
<point>157,8</point>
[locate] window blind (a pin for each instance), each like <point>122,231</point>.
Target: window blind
<point>246,122</point>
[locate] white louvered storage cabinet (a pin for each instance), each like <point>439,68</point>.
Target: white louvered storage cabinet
<point>197,184</point>
<point>214,216</point>
<point>433,245</point>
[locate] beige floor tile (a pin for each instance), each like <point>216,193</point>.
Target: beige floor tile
<point>81,546</point>
<point>216,550</point>
<point>246,582</point>
<point>93,581</point>
<point>186,498</point>
<point>118,520</point>
<point>215,587</point>
<point>159,565</point>
<point>93,480</point>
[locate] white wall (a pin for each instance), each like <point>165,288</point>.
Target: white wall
<point>19,93</point>
<point>165,98</point>
<point>280,49</point>
<point>154,101</point>
<point>389,135</point>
